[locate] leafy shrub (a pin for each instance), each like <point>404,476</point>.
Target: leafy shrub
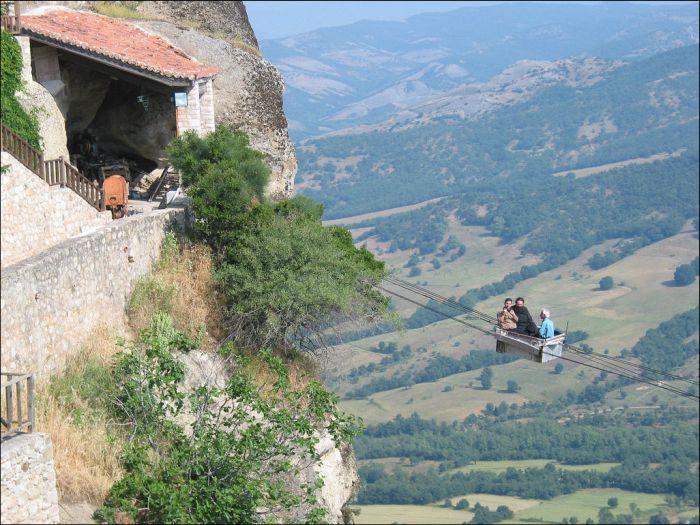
<point>288,278</point>
<point>512,387</point>
<point>229,465</point>
<point>12,113</point>
<point>685,274</point>
<point>486,378</point>
<point>224,178</point>
<point>606,283</point>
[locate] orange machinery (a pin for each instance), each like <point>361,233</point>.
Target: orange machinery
<point>116,191</point>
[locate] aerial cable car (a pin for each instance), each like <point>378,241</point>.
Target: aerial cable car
<point>528,347</point>
<point>534,348</point>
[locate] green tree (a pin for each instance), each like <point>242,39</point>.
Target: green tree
<point>605,516</point>
<point>486,378</point>
<point>287,278</point>
<point>558,368</point>
<point>684,275</point>
<point>462,504</point>
<point>658,519</point>
<point>606,283</point>
<point>612,502</point>
<point>224,177</point>
<point>512,386</point>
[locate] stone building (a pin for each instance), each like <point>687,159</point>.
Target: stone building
<point>121,90</point>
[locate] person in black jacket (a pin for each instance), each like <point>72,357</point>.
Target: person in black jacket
<point>526,325</point>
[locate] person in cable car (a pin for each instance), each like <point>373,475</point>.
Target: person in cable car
<point>507,320</point>
<point>546,329</point>
<point>525,324</point>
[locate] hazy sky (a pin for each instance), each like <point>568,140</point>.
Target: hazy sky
<point>273,19</point>
<point>278,19</point>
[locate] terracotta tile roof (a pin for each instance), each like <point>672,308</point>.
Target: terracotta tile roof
<point>117,40</point>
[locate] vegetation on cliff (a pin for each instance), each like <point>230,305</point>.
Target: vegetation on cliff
<point>271,277</point>
<point>228,465</point>
<point>286,277</point>
<point>12,113</point>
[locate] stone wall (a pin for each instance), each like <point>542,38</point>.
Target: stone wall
<point>28,479</point>
<point>206,103</point>
<point>52,301</point>
<point>189,117</point>
<point>35,215</point>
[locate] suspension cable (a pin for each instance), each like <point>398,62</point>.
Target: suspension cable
<point>593,356</point>
<point>619,372</point>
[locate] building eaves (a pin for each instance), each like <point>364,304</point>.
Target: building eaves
<point>115,42</point>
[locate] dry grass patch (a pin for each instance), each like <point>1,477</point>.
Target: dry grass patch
<point>182,286</point>
<point>120,10</point>
<point>86,445</point>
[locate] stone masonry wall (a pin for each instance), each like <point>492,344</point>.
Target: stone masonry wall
<point>28,479</point>
<point>189,118</point>
<point>206,105</point>
<point>35,215</point>
<point>51,302</point>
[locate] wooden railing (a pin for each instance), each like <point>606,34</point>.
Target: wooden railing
<point>11,23</point>
<point>53,172</point>
<point>18,402</point>
<point>21,149</point>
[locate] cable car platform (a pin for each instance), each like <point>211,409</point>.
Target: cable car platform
<point>525,346</point>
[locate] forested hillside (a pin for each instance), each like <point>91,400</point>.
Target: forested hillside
<point>645,108</point>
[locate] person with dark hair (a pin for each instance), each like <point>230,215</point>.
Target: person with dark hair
<point>525,324</point>
<point>507,320</point>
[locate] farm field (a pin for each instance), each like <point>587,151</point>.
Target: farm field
<point>501,466</point>
<point>585,172</point>
<point>615,319</point>
<point>586,503</point>
<point>428,400</point>
<point>619,317</point>
<point>411,514</point>
<point>391,463</point>
<point>377,214</point>
<point>485,261</point>
<point>583,504</point>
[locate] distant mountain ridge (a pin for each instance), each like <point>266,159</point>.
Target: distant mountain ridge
<point>364,72</point>
<point>515,84</point>
<point>636,110</point>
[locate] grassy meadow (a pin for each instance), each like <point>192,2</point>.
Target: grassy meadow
<point>583,504</point>
<point>614,319</point>
<point>642,298</point>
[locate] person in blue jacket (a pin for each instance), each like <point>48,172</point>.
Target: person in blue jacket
<point>547,326</point>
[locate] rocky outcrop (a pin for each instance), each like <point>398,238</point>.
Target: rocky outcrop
<point>227,20</point>
<point>247,95</point>
<point>335,465</point>
<point>36,99</point>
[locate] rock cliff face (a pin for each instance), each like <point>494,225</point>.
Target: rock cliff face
<point>247,95</point>
<point>336,466</point>
<point>248,90</point>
